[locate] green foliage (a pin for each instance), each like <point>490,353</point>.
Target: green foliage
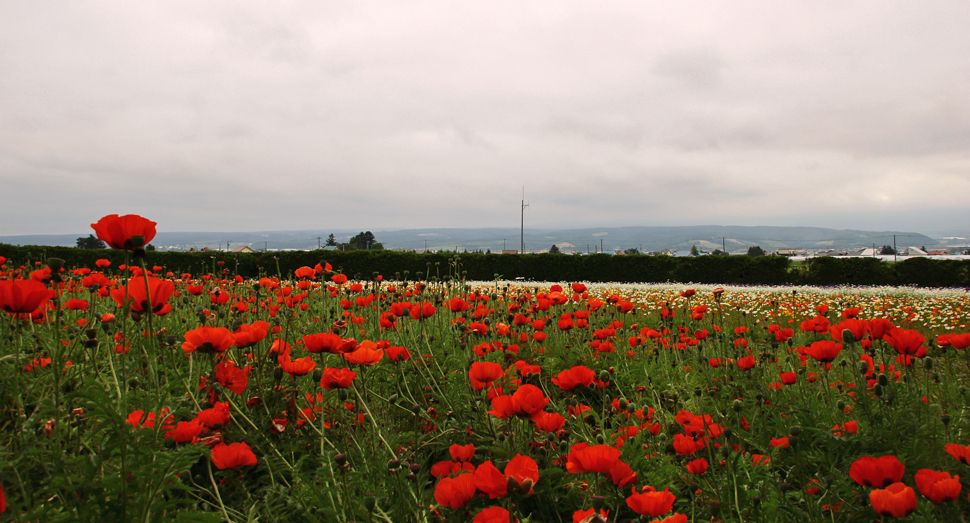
<point>91,242</point>
<point>756,250</point>
<point>766,270</point>
<point>554,249</point>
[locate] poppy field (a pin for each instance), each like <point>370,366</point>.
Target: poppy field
<point>133,392</point>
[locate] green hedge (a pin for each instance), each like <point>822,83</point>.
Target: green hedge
<point>765,270</point>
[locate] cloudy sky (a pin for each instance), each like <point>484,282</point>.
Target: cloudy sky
<point>242,116</point>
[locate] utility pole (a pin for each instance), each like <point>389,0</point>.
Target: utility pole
<point>522,231</point>
<point>227,246</point>
<point>503,244</point>
<point>601,245</point>
<point>426,246</point>
<point>723,245</point>
<point>895,250</point>
<point>265,246</point>
<point>318,243</point>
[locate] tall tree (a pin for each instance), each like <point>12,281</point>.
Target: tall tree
<point>90,243</point>
<point>554,249</point>
<point>756,251</point>
<point>331,241</point>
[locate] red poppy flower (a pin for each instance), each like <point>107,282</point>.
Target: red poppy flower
<point>858,328</point>
<point>844,429</point>
<point>548,421</point>
<point>484,373</point>
<point>959,452</point>
<point>422,310</point>
<point>523,471</point>
<point>457,305</point>
<point>686,445</point>
<point>297,367</point>
<point>621,474</point>
<point>339,279</point>
<point>578,376</point>
<point>397,353</point>
<point>367,353</point>
<point>879,327</point>
<point>337,378</point>
<point>161,291</point>
<point>877,472</point>
<point>823,351</point>
<point>817,324</point>
<point>208,339</point>
<point>185,431</point>
<point>905,341</point>
<point>232,455</point>
<point>895,501</point>
<point>462,453</point>
<point>779,443</point>
<point>489,480</point>
<point>789,378</point>
<point>938,487</point>
<point>328,342</point>
<point>117,231</point>
<point>590,516</point>
<point>747,362</point>
<point>598,458</point>
<point>455,492</point>
<point>23,296</point>
<point>492,515</point>
<point>528,399</point>
<point>650,502</point>
<point>216,416</point>
<point>248,334</point>
<point>232,377</point>
<point>698,466</point>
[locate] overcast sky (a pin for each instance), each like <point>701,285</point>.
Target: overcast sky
<point>243,116</point>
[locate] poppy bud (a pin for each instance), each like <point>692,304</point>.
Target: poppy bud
<point>945,419</point>
<point>392,399</point>
<point>622,403</point>
<point>411,477</point>
<point>883,379</point>
<point>714,509</point>
<point>877,390</point>
<point>847,337</point>
<point>340,459</point>
<point>393,464</point>
<point>737,406</point>
<point>137,241</point>
<point>415,409</point>
<point>600,439</point>
<point>414,467</point>
<point>863,367</point>
<point>278,373</point>
<point>318,375</point>
<point>631,408</point>
<point>928,363</point>
<point>725,451</point>
<point>840,405</point>
<point>341,393</point>
<point>370,503</point>
<point>604,375</point>
<point>55,264</point>
<point>795,430</point>
<point>728,433</point>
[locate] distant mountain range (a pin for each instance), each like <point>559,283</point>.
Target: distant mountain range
<point>646,239</point>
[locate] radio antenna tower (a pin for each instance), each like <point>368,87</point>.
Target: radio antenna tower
<point>522,231</point>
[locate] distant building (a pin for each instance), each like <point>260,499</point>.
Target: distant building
<point>510,251</point>
<point>242,248</point>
